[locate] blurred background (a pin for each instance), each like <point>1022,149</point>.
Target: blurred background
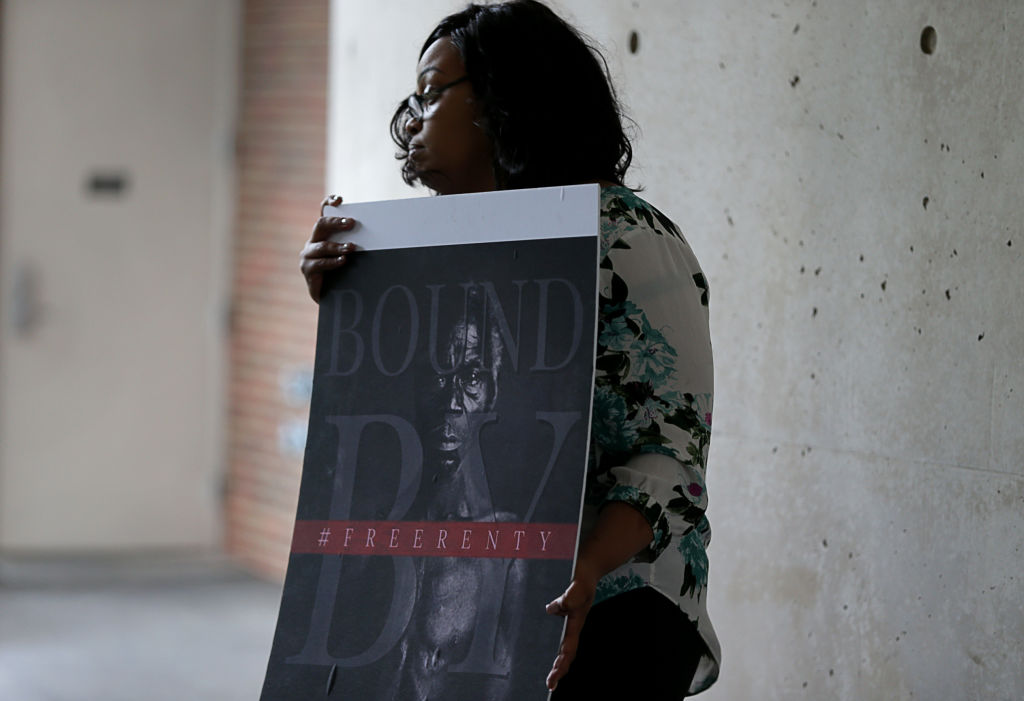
<point>848,174</point>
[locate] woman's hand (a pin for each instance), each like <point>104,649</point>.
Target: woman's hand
<point>619,534</point>
<point>573,605</point>
<point>320,255</point>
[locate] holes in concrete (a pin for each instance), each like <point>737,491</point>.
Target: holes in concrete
<point>929,38</point>
<point>634,42</point>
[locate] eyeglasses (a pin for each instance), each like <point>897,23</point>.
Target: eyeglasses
<point>420,105</point>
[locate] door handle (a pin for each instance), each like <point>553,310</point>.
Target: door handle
<point>25,312</point>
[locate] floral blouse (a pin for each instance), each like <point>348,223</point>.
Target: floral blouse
<point>652,406</point>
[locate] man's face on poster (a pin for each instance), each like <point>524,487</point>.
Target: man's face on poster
<point>467,390</point>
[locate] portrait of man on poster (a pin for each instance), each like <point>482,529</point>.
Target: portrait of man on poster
<point>457,399</point>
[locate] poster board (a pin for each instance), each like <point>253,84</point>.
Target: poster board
<point>446,453</point>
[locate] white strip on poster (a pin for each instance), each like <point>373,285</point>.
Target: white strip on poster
<point>552,212</point>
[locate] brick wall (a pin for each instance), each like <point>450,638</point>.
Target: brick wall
<point>280,181</point>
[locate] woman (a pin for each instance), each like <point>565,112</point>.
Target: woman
<point>510,96</point>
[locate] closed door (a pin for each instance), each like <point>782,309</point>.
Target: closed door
<point>115,166</point>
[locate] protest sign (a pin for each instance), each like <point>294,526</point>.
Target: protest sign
<point>446,452</point>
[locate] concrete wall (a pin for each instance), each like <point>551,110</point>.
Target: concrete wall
<point>855,203</point>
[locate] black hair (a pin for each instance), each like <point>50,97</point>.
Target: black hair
<point>549,108</point>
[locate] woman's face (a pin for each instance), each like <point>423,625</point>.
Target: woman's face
<point>448,149</point>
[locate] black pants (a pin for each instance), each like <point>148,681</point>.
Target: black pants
<point>636,645</point>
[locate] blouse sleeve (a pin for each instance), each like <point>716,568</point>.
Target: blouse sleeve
<point>654,380</point>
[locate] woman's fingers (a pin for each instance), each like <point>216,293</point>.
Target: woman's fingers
<point>319,266</point>
<point>313,270</point>
<point>567,651</point>
<point>325,227</point>
<point>324,256</point>
<point>326,249</point>
<point>319,258</point>
<point>330,201</point>
<point>574,605</point>
<point>320,254</point>
<point>557,607</point>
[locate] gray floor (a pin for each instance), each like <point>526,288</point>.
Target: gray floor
<point>133,629</point>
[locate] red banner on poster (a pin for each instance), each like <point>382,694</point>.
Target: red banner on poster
<point>530,541</point>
